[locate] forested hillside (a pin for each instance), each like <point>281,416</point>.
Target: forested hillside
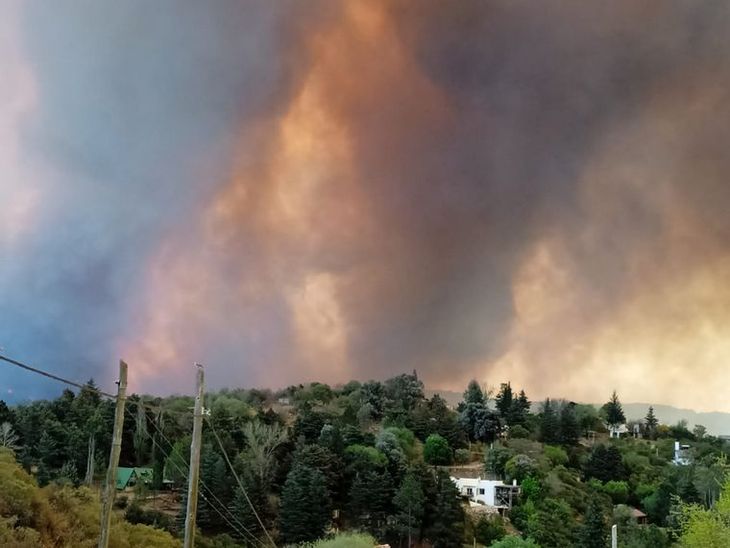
<point>375,458</point>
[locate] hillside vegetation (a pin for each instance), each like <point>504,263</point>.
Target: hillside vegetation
<point>358,464</point>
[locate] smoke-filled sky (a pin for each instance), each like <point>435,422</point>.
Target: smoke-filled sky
<point>293,191</point>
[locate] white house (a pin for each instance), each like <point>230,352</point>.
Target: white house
<point>493,493</point>
<point>616,430</point>
<point>682,456</point>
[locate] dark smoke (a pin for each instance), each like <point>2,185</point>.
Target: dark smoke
<point>476,134</point>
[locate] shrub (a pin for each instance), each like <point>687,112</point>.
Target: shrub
<point>519,467</point>
<point>462,456</point>
<point>556,455</point>
<point>518,432</point>
<point>488,530</point>
<point>344,540</point>
<point>496,460</point>
<point>514,542</point>
<point>121,502</point>
<point>437,450</point>
<point>135,514</point>
<point>617,490</point>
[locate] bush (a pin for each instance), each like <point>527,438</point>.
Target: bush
<point>488,530</point>
<point>496,460</point>
<point>514,542</point>
<point>617,490</point>
<point>344,540</point>
<point>135,514</point>
<point>519,467</point>
<point>121,502</point>
<point>462,456</point>
<point>531,488</point>
<point>556,455</point>
<point>518,432</point>
<point>437,450</point>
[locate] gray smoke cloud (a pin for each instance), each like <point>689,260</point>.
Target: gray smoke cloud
<point>488,189</point>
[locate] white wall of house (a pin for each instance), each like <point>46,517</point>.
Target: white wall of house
<point>477,489</point>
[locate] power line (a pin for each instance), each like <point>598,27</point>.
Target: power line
<point>210,491</point>
<point>94,389</point>
<point>183,473</point>
<point>54,377</point>
<point>75,384</point>
<point>240,484</point>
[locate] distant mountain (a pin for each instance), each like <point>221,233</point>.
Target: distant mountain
<point>716,423</point>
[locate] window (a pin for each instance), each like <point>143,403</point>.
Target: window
<point>481,491</point>
<point>469,491</point>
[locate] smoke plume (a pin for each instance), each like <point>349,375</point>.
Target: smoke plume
<point>499,190</point>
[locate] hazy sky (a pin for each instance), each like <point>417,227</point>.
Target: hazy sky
<point>292,191</point>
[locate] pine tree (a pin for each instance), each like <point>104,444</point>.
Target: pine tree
<point>409,503</point>
<point>651,422</point>
<point>370,497</point>
<point>207,518</point>
<point>479,422</point>
<point>305,507</point>
<point>520,410</point>
<point>569,429</point>
<point>505,402</point>
<point>446,528</point>
<point>593,533</point>
<point>549,423</point>
<point>613,412</point>
<point>242,509</point>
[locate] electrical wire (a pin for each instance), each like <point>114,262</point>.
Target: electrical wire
<point>75,384</point>
<point>53,376</point>
<point>240,484</point>
<point>251,536</point>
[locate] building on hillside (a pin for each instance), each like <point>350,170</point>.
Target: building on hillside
<point>129,477</point>
<point>682,456</point>
<point>640,517</point>
<point>494,493</point>
<point>616,430</point>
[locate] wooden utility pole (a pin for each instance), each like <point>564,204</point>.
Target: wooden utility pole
<point>192,508</point>
<point>110,487</point>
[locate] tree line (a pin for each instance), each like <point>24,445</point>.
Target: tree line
<point>374,457</point>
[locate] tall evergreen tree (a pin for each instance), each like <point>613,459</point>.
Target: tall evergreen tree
<point>305,506</point>
<point>569,429</point>
<point>613,413</point>
<point>651,423</point>
<point>409,503</point>
<point>593,533</point>
<point>370,501</point>
<point>549,423</point>
<point>605,464</point>
<point>259,500</point>
<point>446,523</point>
<point>504,402</point>
<point>478,421</point>
<point>520,409</point>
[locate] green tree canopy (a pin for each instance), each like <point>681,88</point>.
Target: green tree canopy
<point>613,412</point>
<point>437,450</point>
<point>305,506</point>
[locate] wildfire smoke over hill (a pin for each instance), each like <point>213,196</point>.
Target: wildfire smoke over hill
<point>500,190</point>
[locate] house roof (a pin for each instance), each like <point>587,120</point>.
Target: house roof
<point>123,476</point>
<point>144,473</point>
<point>635,512</point>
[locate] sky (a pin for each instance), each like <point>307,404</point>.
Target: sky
<point>288,192</point>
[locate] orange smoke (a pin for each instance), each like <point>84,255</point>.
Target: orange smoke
<point>379,210</point>
<point>300,198</point>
